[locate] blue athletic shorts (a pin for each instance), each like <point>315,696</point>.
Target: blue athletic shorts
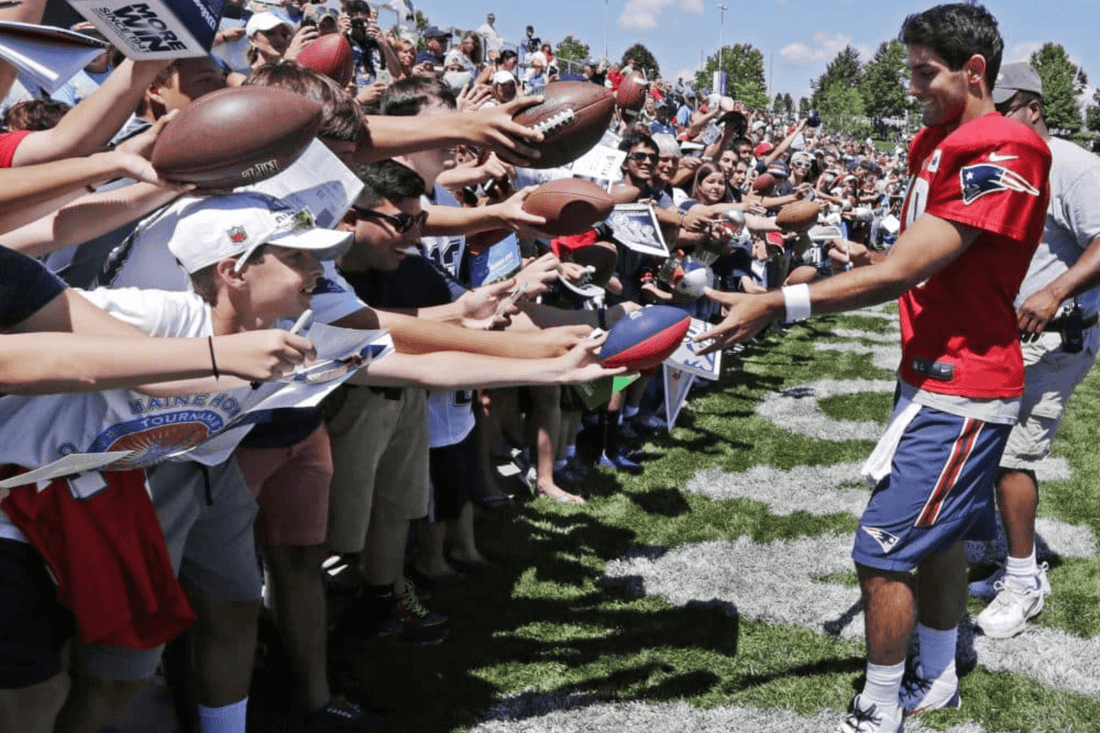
<point>940,491</point>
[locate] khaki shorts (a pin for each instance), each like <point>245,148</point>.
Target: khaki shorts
<point>1050,376</point>
<point>291,485</point>
<point>379,460</point>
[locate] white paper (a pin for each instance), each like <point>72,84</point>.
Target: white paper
<point>234,53</point>
<point>318,181</point>
<point>677,386</point>
<point>67,466</point>
<point>601,163</point>
<point>635,227</point>
<point>708,366</point>
<point>46,57</point>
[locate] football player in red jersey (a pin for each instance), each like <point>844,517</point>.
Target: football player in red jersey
<point>973,216</point>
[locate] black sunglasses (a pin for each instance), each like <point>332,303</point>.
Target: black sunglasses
<point>640,157</point>
<point>401,222</point>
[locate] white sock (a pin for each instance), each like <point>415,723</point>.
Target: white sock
<point>226,719</point>
<point>883,686</point>
<point>1023,569</point>
<point>571,450</point>
<point>630,412</point>
<point>937,652</point>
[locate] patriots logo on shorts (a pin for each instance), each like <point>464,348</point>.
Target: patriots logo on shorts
<point>883,538</point>
<point>978,180</point>
<point>326,285</point>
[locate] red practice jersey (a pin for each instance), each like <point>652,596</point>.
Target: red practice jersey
<point>958,328</point>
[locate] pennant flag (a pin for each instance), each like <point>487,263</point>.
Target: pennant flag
<point>677,385</point>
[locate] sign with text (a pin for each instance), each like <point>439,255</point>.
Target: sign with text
<point>155,29</point>
<point>685,358</point>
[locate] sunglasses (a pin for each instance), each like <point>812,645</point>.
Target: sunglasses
<point>800,165</point>
<point>401,222</point>
<point>640,157</point>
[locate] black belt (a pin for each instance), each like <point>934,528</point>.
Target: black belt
<point>389,393</point>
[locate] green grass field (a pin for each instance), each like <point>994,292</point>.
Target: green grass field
<point>715,592</point>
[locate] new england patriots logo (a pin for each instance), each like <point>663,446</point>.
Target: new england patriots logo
<point>326,285</point>
<point>978,180</point>
<point>882,537</point>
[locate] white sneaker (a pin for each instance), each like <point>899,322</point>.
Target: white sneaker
<point>1008,613</point>
<point>867,718</point>
<point>920,695</point>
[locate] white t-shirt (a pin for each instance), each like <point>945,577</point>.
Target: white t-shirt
<point>41,429</point>
<point>1073,220</point>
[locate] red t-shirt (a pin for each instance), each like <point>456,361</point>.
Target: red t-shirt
<point>106,552</point>
<point>9,141</point>
<point>958,329</point>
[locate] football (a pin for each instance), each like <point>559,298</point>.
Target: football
<point>573,116</point>
<point>569,205</point>
<point>797,216</point>
<point>763,183</point>
<point>601,256</point>
<point>235,137</point>
<point>645,338</point>
<point>631,92</point>
<point>329,55</point>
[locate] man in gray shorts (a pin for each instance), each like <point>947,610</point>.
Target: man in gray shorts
<point>1057,308</point>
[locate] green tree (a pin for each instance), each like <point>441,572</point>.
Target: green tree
<point>804,107</point>
<point>1063,81</point>
<point>572,49</point>
<point>845,70</point>
<point>777,105</point>
<point>1092,122</point>
<point>842,108</point>
<point>788,103</point>
<point>643,60</point>
<point>886,81</point>
<point>744,67</point>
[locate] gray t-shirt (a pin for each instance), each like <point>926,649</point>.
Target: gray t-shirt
<point>1073,220</point>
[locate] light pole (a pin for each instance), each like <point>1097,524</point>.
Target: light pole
<point>722,8</point>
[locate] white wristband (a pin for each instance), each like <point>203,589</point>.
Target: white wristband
<point>796,299</point>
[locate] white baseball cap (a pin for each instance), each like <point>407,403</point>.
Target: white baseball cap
<point>263,22</point>
<point>236,225</point>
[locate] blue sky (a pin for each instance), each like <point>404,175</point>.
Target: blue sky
<point>798,37</point>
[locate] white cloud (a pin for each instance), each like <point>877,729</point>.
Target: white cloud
<point>642,15</point>
<point>824,48</point>
<point>1021,51</point>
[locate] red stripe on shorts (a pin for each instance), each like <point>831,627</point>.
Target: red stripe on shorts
<point>960,452</point>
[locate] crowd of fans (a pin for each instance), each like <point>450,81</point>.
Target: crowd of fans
<point>407,453</point>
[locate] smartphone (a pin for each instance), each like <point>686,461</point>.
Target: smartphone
<point>508,302</point>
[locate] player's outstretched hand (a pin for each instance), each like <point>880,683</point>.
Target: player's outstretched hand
<point>747,314</point>
<point>261,355</point>
<point>483,302</point>
<point>494,126</point>
<point>1035,313</point>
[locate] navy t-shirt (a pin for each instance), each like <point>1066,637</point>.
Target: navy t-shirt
<point>26,287</point>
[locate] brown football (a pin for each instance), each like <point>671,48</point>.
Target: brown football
<point>797,216</point>
<point>569,205</point>
<point>600,255</point>
<point>763,183</point>
<point>329,55</point>
<point>631,92</point>
<point>573,116</point>
<point>235,137</point>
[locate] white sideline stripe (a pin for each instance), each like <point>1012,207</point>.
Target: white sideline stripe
<point>821,490</point>
<point>796,409</point>
<point>592,717</point>
<point>775,582</point>
<point>882,357</point>
<point>851,333</point>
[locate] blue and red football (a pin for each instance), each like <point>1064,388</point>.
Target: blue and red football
<point>645,338</point>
